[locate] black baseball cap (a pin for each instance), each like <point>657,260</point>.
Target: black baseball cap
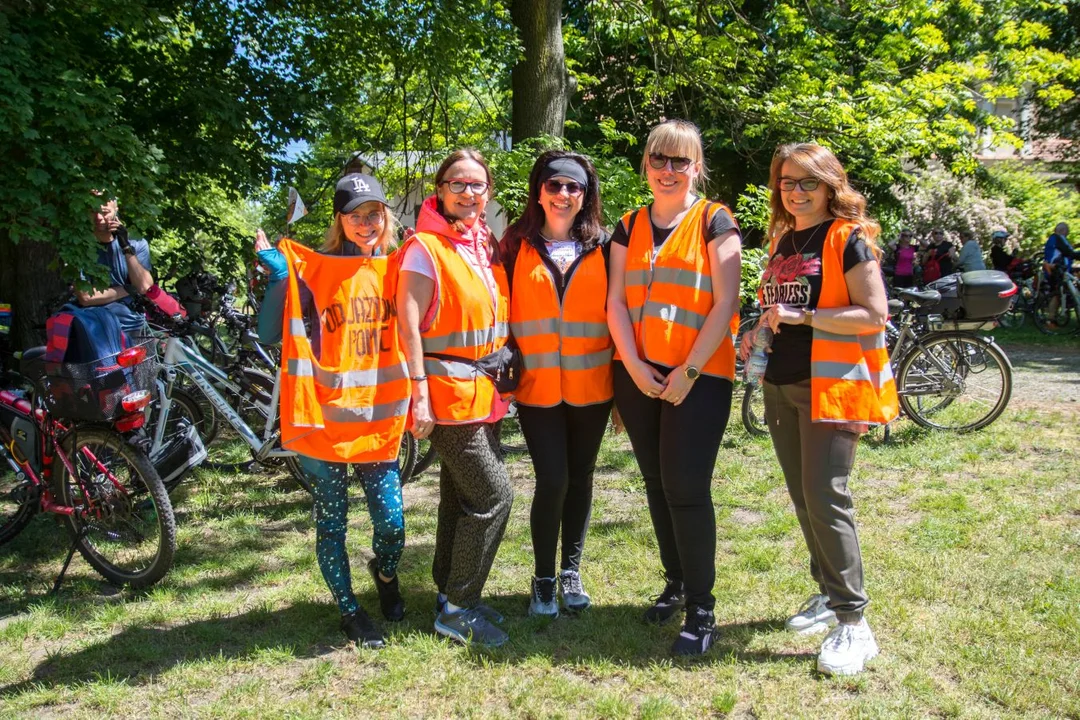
<point>354,190</point>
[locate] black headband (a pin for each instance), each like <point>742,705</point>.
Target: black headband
<point>565,167</point>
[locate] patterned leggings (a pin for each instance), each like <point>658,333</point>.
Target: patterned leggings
<point>382,486</point>
<point>474,504</point>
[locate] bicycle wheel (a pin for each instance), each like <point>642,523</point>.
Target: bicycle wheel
<point>753,410</point>
<point>123,523</point>
<point>183,411</point>
<point>19,499</point>
<point>254,407</point>
<point>1015,316</point>
<point>1065,321</point>
<point>954,381</point>
<point>407,457</point>
<point>425,456</point>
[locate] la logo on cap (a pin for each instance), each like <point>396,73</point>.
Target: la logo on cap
<point>358,185</point>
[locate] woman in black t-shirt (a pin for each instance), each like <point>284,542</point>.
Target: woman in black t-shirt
<point>824,381</point>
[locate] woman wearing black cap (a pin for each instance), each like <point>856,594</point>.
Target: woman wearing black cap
<point>363,226</point>
<point>555,259</point>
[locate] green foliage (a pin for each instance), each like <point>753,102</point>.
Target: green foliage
<point>1042,204</point>
<point>753,266</point>
<point>752,209</point>
<point>937,198</point>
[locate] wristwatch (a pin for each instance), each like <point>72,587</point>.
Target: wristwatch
<point>808,316</point>
<point>691,372</point>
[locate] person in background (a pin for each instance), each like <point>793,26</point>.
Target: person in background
<point>555,257</point>
<point>904,261</point>
<point>1000,258</point>
<point>128,263</point>
<point>453,301</point>
<point>362,226</point>
<point>673,294</point>
<point>1058,256</point>
<point>937,260</point>
<point>827,378</point>
<point>970,257</point>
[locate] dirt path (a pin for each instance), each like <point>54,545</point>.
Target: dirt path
<point>1044,376</point>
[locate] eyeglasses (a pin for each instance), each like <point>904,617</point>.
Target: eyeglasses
<point>806,184</point>
<point>375,217</point>
<point>658,161</point>
<point>479,187</point>
<point>554,187</point>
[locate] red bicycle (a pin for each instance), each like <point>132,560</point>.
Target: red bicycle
<point>71,447</point>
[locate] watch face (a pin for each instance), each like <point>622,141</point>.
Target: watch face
<point>692,372</point>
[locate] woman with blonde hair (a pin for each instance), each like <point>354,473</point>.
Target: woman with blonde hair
<point>363,225</point>
<point>673,292</point>
<point>827,379</point>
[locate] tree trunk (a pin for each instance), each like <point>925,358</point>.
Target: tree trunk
<point>29,281</point>
<point>539,81</point>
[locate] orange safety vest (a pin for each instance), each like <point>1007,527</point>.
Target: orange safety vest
<point>851,379</point>
<point>669,296</point>
<point>349,404</point>
<point>466,325</point>
<point>565,345</point>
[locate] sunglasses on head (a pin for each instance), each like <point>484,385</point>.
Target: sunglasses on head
<point>554,187</point>
<point>479,187</point>
<point>658,161</point>
<point>806,184</point>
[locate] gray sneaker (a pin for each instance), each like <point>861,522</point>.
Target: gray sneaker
<point>813,616</point>
<point>470,627</point>
<point>543,601</point>
<point>487,611</point>
<point>574,597</point>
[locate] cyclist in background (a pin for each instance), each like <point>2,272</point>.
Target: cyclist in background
<point>1058,256</point>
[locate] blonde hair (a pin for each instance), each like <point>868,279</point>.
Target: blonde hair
<point>677,138</point>
<point>335,234</point>
<point>844,201</point>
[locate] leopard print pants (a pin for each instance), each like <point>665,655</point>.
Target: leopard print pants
<point>474,504</point>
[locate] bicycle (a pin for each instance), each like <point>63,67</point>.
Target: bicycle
<point>70,448</point>
<point>1066,320</point>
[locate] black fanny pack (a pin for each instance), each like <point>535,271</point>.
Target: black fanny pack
<point>503,366</point>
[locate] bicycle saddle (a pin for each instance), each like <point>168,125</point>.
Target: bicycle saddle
<point>920,297</point>
<point>895,307</point>
<point>32,362</point>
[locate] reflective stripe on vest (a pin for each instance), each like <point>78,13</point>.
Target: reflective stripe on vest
<point>466,325</point>
<point>565,344</point>
<point>350,403</point>
<point>669,296</point>
<point>851,379</point>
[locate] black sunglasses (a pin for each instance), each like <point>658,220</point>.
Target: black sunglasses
<point>554,187</point>
<point>658,161</point>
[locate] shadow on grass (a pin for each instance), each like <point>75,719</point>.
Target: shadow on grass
<point>139,654</point>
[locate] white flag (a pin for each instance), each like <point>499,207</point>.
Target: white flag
<point>296,207</point>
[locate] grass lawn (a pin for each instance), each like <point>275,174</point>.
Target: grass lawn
<point>972,552</point>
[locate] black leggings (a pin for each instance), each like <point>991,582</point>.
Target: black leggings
<point>563,442</point>
<point>676,448</point>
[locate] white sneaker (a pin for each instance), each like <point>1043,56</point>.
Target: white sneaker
<point>846,649</point>
<point>813,616</point>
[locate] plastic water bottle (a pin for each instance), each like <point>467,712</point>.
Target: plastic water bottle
<point>759,355</point>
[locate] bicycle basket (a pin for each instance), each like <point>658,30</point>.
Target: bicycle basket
<point>94,391</point>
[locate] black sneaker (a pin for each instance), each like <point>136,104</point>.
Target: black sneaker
<point>390,601</point>
<point>697,633</point>
<point>359,628</point>
<point>667,603</point>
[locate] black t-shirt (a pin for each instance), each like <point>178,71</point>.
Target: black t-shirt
<point>793,277</point>
<point>1000,258</point>
<point>721,222</point>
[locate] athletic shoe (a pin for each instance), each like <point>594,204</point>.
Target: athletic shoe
<point>813,616</point>
<point>390,600</point>
<point>697,633</point>
<point>574,597</point>
<point>542,602</point>
<point>667,603</point>
<point>469,626</point>
<point>487,611</point>
<point>846,649</point>
<point>360,629</point>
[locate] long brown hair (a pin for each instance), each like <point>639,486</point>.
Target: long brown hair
<point>844,201</point>
<point>586,227</point>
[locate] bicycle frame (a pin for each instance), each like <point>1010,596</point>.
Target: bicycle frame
<point>909,341</point>
<point>179,357</point>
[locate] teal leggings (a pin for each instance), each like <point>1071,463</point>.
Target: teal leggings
<point>382,486</point>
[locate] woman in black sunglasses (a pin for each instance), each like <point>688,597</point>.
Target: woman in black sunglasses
<point>672,310</point>
<point>555,259</point>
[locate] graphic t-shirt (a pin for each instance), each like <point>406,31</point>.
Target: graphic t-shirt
<point>793,277</point>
